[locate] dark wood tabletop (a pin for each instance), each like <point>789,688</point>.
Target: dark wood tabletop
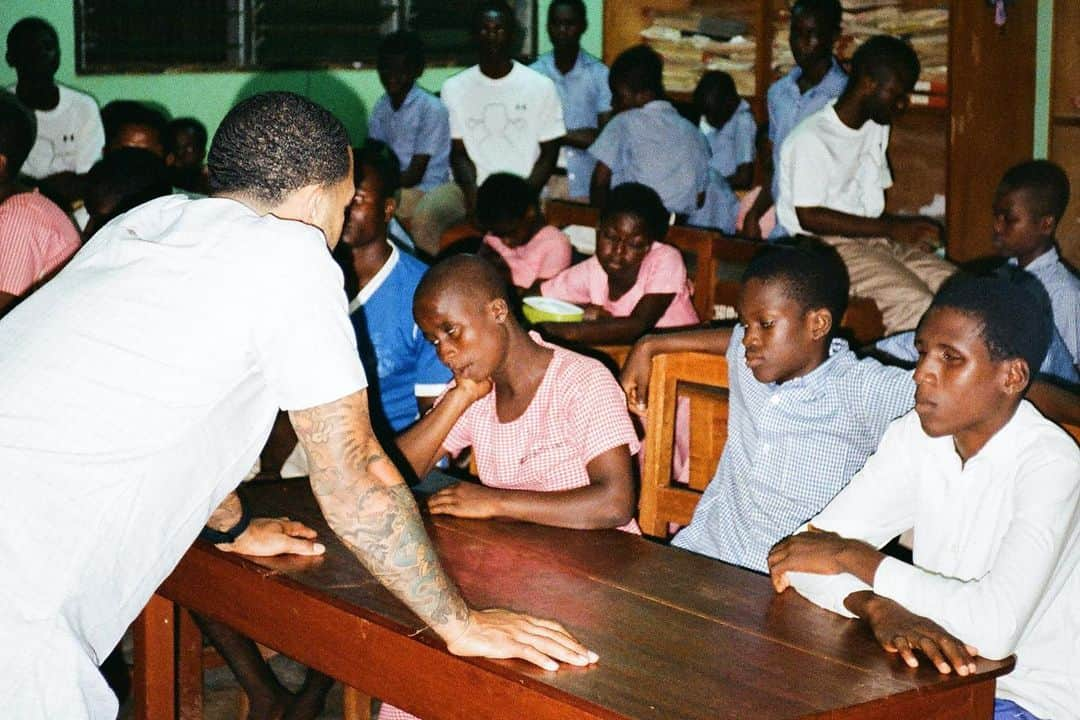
<point>679,635</point>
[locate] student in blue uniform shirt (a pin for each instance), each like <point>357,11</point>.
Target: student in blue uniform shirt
<point>648,141</point>
<point>816,79</point>
<point>582,83</point>
<point>730,129</point>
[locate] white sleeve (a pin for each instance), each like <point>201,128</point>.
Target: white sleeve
<point>304,341</point>
<point>92,140</point>
<point>828,591</point>
<point>451,102</point>
<point>992,611</point>
<point>550,124</point>
<point>802,178</point>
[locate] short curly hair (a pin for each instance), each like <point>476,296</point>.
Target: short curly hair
<point>813,274</point>
<point>639,201</point>
<point>275,143</point>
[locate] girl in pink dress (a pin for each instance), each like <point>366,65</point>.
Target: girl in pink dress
<point>516,234</point>
<point>550,430</point>
<point>634,283</point>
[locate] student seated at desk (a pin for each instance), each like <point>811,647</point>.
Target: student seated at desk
<point>634,283</point>
<point>731,130</point>
<point>508,210</point>
<point>549,429</point>
<point>991,489</point>
<point>804,414</point>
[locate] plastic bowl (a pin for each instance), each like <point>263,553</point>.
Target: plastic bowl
<point>543,309</point>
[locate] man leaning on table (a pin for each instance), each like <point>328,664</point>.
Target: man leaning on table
<point>140,384</point>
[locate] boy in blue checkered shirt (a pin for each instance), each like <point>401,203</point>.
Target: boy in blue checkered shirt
<point>804,415</point>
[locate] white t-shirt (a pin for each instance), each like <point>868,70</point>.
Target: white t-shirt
<point>138,387</point>
<point>70,136</point>
<point>502,122</point>
<point>825,163</point>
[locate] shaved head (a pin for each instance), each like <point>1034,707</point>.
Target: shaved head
<point>467,276</point>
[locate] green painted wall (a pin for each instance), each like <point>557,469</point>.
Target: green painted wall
<point>1043,50</point>
<point>208,96</point>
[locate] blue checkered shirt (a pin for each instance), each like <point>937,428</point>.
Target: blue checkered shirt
<point>790,449</point>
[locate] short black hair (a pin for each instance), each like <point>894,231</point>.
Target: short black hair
<point>403,43</point>
<point>713,83</point>
<point>1045,182</point>
<point>27,29</point>
<point>883,55</point>
<point>120,113</point>
<point>18,131</point>
<point>640,68</point>
<point>275,143</point>
<point>464,273</point>
<point>639,201</point>
<point>499,6</point>
<point>504,198</point>
<point>185,124</point>
<point>829,12</point>
<point>577,5</point>
<point>129,177</point>
<point>813,273</point>
<point>1012,322</point>
<point>377,157</point>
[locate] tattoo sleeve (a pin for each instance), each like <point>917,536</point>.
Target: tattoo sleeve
<point>368,505</point>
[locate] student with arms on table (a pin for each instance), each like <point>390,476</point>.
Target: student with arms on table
<point>990,488</point>
<point>140,384</point>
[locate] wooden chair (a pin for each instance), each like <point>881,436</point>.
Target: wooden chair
<point>703,380</point>
<point>561,213</point>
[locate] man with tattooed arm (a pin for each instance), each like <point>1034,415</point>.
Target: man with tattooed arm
<point>139,385</point>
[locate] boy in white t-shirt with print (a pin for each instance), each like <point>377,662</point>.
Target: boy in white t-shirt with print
<point>504,116</point>
<point>833,176</point>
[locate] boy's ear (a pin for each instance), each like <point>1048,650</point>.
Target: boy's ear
<point>820,322</point>
<point>1047,225</point>
<point>1017,376</point>
<point>389,208</point>
<point>498,309</point>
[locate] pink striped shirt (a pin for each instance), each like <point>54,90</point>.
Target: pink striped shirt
<point>36,239</point>
<point>545,255</point>
<point>662,272</point>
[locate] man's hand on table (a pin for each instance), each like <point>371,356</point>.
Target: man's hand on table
<point>901,631</point>
<point>266,537</point>
<point>504,634</point>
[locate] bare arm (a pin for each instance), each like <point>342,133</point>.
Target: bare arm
<point>464,172</point>
<point>751,229</point>
<point>606,502</point>
<point>610,331</point>
<point>600,185</point>
<point>742,178</point>
<point>421,443</point>
<point>634,377</point>
<point>279,446</point>
<point>545,164</point>
<point>7,302</point>
<point>367,504</point>
<point>580,138</point>
<point>1056,403</point>
<point>413,174</point>
<point>912,230</point>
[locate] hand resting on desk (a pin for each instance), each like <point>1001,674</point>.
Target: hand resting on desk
<point>266,537</point>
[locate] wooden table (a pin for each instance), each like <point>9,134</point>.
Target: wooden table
<point>679,636</point>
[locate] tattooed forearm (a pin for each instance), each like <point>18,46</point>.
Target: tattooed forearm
<point>366,502</point>
<point>227,514</point>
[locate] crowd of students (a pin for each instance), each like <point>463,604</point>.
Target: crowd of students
<point>128,267</point>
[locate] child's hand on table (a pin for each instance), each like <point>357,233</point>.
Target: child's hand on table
<point>917,231</point>
<point>465,500</point>
<point>821,553</point>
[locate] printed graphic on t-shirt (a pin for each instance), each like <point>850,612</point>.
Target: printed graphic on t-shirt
<point>497,132</point>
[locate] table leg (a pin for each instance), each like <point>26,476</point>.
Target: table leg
<point>189,666</point>
<point>155,664</point>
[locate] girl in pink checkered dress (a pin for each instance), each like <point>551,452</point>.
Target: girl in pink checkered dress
<point>549,428</point>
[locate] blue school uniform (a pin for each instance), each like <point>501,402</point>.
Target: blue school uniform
<point>1063,287</point>
<point>790,449</point>
<point>788,107</point>
<point>656,146</point>
<point>731,146</point>
<point>584,93</point>
<point>400,362</point>
<point>421,126</point>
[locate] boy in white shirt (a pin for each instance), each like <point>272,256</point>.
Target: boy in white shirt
<point>990,488</point>
<point>70,134</point>
<point>833,175</point>
<point>504,116</point>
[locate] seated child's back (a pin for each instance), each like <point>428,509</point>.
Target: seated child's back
<point>648,141</point>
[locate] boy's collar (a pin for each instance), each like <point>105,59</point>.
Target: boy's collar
<point>1048,257</point>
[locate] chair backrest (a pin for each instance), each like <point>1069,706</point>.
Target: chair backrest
<point>702,381</point>
<point>561,213</point>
